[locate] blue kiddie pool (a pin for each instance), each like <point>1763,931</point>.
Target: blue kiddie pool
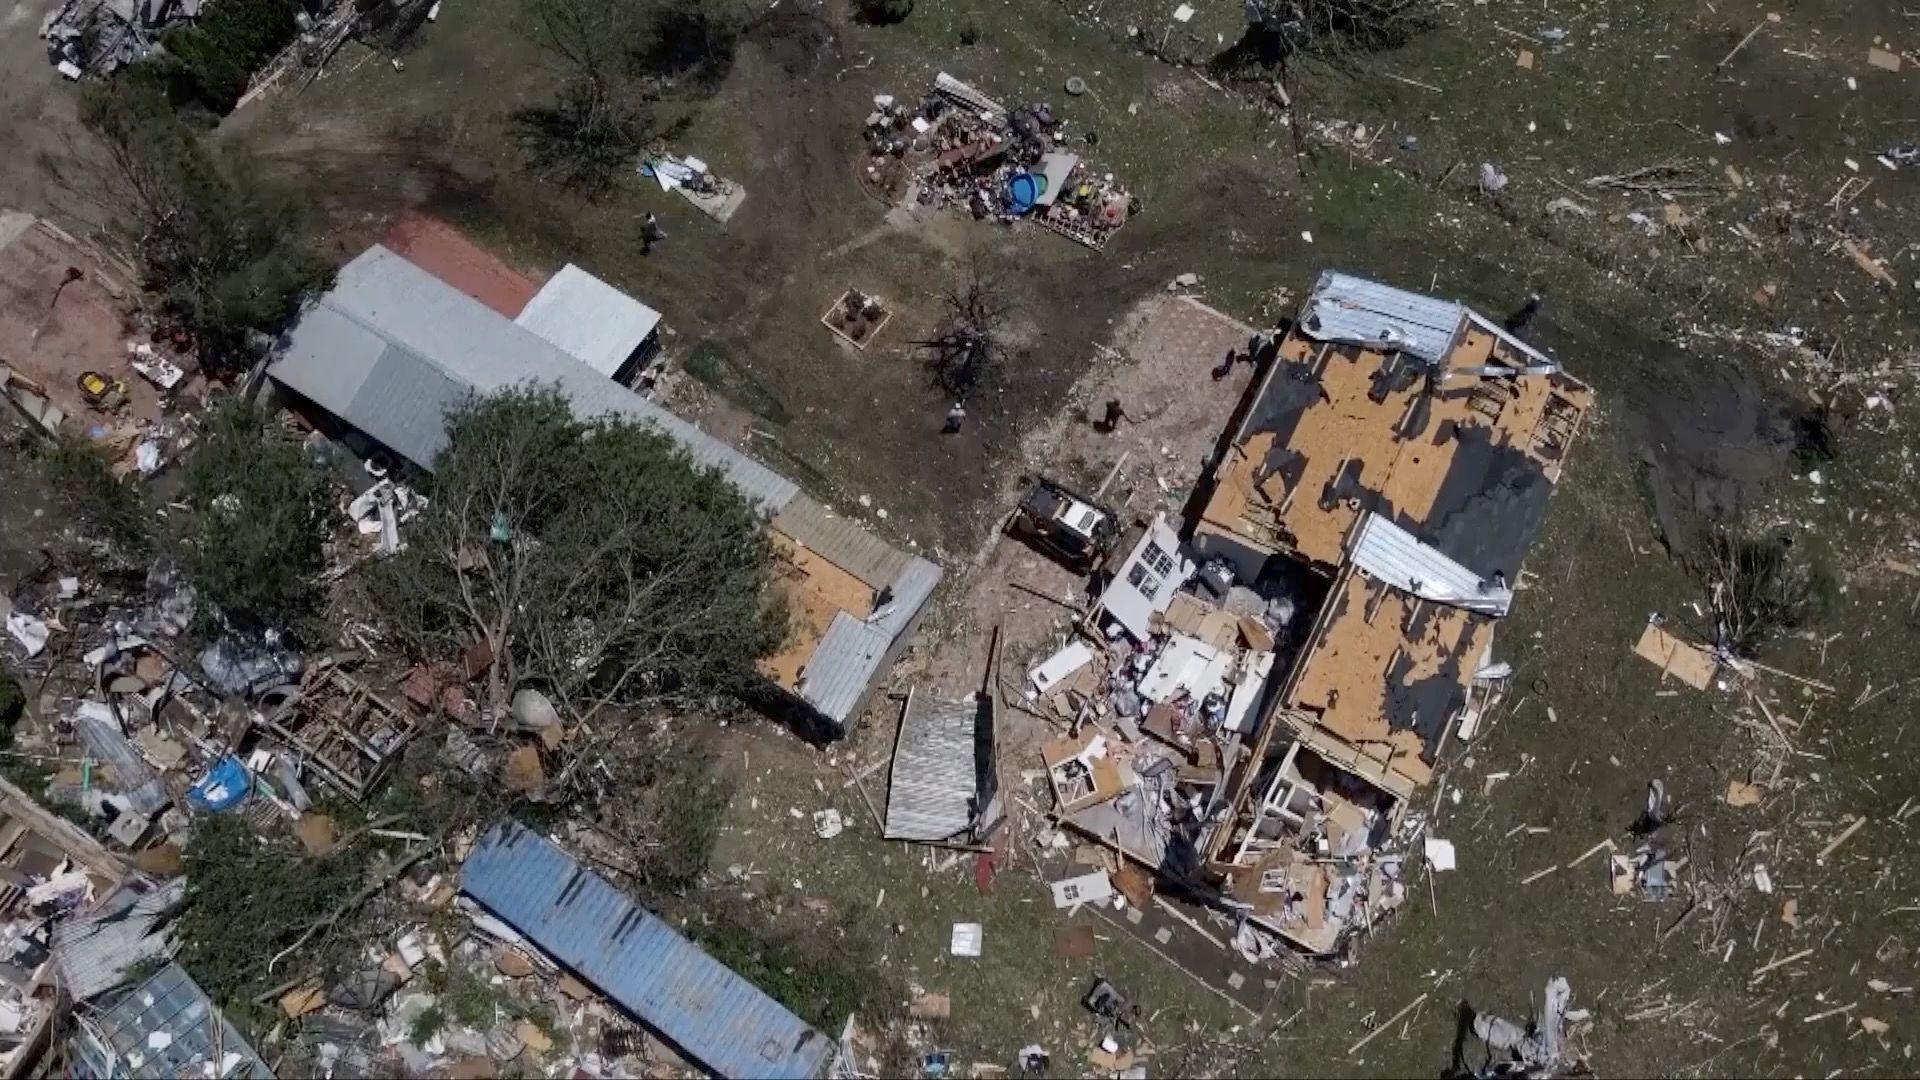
<point>1023,190</point>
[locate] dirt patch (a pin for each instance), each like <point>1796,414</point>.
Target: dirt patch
<point>1160,368</point>
<point>444,252</point>
<point>60,317</point>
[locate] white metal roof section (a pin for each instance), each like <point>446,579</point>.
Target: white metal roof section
<point>1354,311</point>
<point>1147,580</point>
<point>1351,310</point>
<point>934,784</point>
<point>850,653</point>
<point>588,319</point>
<point>1393,556</point>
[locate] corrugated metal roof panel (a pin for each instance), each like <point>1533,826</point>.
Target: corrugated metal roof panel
<point>1393,556</point>
<point>589,320</point>
<point>851,651</point>
<point>1352,310</point>
<point>842,664</point>
<point>172,1004</point>
<point>390,299</point>
<point>135,779</point>
<point>327,357</point>
<point>94,951</point>
<point>709,1012</point>
<point>934,782</point>
<point>403,401</point>
<point>841,541</point>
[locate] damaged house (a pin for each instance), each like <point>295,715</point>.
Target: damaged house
<point>383,355</point>
<point>1330,618</point>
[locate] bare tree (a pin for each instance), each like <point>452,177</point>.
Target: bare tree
<point>584,137</point>
<point>971,344</point>
<point>1759,585</point>
<point>1280,30</point>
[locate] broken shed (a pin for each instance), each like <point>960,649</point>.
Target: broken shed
<point>705,1010</point>
<point>390,348</point>
<point>942,787</point>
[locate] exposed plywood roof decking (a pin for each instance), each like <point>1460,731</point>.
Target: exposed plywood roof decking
<point>1406,448</point>
<point>1383,673</point>
<point>1462,450</point>
<point>815,590</point>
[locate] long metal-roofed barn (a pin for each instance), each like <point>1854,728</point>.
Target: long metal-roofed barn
<point>391,348</point>
<point>704,1009</point>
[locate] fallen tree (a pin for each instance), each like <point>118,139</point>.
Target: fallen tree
<point>594,561</point>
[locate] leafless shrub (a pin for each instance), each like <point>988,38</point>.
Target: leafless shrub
<point>1279,31</point>
<point>972,342</point>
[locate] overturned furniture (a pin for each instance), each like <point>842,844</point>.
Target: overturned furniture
<point>942,788</point>
<point>347,733</point>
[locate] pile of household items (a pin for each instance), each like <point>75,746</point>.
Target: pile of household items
<point>958,147</point>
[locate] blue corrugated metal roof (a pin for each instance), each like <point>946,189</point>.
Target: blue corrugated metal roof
<point>700,1005</point>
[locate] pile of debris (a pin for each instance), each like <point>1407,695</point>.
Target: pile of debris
<point>1162,690</point>
<point>463,994</point>
<point>711,194</point>
<point>85,36</point>
<point>958,147</point>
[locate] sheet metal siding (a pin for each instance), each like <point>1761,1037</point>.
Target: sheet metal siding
<point>841,541</point>
<point>1353,310</point>
<point>589,319</point>
<point>1391,555</point>
<point>707,1010</point>
<point>933,783</point>
<point>141,786</point>
<point>851,651</point>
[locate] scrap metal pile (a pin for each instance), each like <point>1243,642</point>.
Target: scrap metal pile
<point>960,148</point>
